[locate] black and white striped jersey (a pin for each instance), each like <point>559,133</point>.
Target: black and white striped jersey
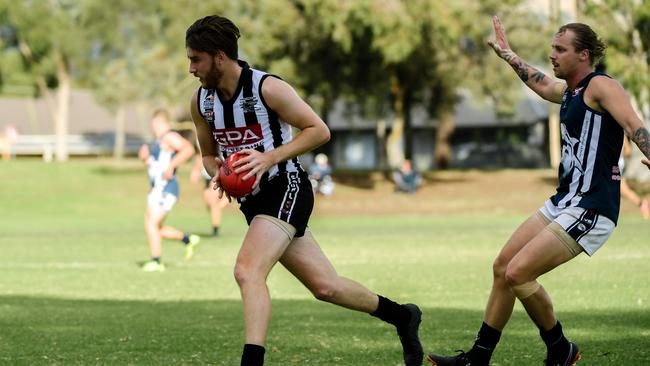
<point>246,121</point>
<point>589,175</point>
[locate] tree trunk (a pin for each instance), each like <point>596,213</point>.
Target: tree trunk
<point>59,108</point>
<point>554,143</point>
<point>395,140</point>
<point>442,150</point>
<point>120,134</point>
<point>62,116</point>
<point>380,135</point>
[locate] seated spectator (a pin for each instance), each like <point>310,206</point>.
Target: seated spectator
<point>406,178</point>
<point>320,175</point>
<point>8,141</point>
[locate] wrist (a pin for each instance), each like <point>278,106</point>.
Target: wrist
<point>275,159</point>
<point>509,56</point>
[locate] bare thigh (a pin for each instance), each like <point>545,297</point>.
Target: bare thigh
<point>542,254</point>
<point>524,234</point>
<point>155,215</point>
<point>263,246</point>
<point>305,260</point>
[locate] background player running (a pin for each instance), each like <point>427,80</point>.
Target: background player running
<point>166,153</point>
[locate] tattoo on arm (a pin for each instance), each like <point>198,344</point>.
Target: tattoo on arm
<point>521,68</point>
<point>524,70</point>
<point>642,139</point>
<point>538,76</point>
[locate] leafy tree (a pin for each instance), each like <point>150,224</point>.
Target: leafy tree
<point>126,51</point>
<point>144,62</point>
<point>387,56</point>
<point>51,38</point>
<point>381,56</point>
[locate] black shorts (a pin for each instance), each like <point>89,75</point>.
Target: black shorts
<point>287,196</point>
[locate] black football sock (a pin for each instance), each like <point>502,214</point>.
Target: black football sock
<point>186,239</point>
<point>554,339</point>
<point>215,231</point>
<point>253,355</point>
<point>391,312</point>
<point>486,340</point>
<point>156,259</point>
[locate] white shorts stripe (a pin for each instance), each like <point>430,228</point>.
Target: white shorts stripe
<point>293,183</point>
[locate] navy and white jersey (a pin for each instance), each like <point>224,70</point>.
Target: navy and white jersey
<point>158,161</point>
<point>589,175</point>
<point>246,121</point>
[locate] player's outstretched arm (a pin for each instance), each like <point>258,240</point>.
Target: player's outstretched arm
<point>642,139</point>
<point>536,80</point>
<point>611,96</point>
<point>184,149</point>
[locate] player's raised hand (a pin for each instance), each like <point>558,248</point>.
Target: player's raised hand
<point>500,43</point>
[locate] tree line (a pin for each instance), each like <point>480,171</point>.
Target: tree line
<point>382,56</point>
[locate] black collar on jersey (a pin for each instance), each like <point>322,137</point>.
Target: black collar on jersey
<point>587,78</point>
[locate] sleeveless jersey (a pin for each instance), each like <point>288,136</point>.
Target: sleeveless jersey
<point>589,175</point>
<point>246,121</point>
<point>158,161</point>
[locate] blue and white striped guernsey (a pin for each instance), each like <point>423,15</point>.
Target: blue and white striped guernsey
<point>589,175</point>
<point>158,161</point>
<point>246,121</point>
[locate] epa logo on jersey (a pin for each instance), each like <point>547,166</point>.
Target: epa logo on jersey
<point>238,136</point>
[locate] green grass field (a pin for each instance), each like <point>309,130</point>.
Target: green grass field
<point>71,292</point>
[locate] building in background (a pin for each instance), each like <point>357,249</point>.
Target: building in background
<point>91,130</point>
<point>482,139</point>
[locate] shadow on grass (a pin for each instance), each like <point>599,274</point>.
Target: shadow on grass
<point>54,331</point>
<point>605,337</point>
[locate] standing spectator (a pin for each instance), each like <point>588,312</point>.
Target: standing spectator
<point>8,141</point>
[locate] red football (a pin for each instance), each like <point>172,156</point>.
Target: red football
<point>232,182</point>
